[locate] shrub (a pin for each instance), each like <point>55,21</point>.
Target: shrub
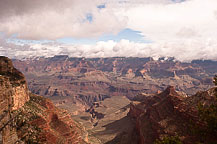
<point>208,118</point>
<point>169,140</point>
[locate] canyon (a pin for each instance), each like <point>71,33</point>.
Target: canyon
<point>94,79</point>
<point>109,96</point>
<point>102,100</point>
<point>168,114</point>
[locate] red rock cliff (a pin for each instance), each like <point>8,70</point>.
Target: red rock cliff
<point>167,114</point>
<point>28,118</point>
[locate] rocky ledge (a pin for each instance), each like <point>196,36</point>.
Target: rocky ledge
<point>28,118</point>
<point>169,113</point>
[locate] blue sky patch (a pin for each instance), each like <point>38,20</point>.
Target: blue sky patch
<point>178,1</point>
<point>101,6</point>
<point>89,17</point>
<point>127,33</point>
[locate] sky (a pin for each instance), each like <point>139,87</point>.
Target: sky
<point>184,29</point>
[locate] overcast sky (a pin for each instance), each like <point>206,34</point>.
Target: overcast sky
<point>185,29</point>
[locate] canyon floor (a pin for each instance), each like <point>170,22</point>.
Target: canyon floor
<point>112,123</point>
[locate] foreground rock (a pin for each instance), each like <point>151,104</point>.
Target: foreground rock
<point>28,118</point>
<point>169,113</point>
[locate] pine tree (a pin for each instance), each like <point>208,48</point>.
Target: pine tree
<point>208,116</point>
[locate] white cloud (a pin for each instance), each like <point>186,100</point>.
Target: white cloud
<point>160,22</point>
<point>186,30</point>
<point>56,19</point>
<point>156,19</point>
<point>186,51</point>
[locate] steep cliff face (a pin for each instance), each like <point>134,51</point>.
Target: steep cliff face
<point>13,84</point>
<point>167,114</point>
<point>28,118</point>
<point>13,95</point>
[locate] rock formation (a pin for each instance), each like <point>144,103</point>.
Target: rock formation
<point>13,95</point>
<point>83,81</point>
<point>28,118</point>
<point>169,113</point>
<point>77,83</point>
<point>97,75</point>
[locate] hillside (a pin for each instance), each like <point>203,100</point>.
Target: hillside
<point>171,113</point>
<point>28,118</point>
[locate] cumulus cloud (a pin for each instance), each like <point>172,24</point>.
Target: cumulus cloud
<point>186,51</point>
<point>160,22</point>
<point>69,18</point>
<point>56,19</point>
<point>185,29</point>
<point>216,14</point>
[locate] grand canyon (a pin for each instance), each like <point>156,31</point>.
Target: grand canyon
<point>108,100</point>
<point>108,72</point>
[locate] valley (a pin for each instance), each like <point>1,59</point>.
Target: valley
<point>98,92</point>
<point>108,72</point>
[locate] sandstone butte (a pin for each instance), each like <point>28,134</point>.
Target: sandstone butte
<point>28,118</point>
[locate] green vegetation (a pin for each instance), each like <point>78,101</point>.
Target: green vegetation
<point>169,140</point>
<point>206,129</point>
<point>38,99</point>
<point>208,115</point>
<point>208,119</point>
<point>29,132</point>
<point>15,75</point>
<point>22,123</point>
<point>16,78</point>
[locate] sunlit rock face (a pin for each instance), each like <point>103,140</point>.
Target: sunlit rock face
<point>28,118</point>
<point>13,96</point>
<point>13,84</point>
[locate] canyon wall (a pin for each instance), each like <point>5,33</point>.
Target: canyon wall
<point>170,113</point>
<point>13,96</point>
<point>87,80</point>
<point>28,118</point>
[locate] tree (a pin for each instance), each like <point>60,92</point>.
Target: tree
<point>208,117</point>
<point>169,140</point>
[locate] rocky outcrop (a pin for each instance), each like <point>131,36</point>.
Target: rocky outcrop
<point>62,76</point>
<point>39,121</point>
<point>13,96</point>
<point>169,113</point>
<point>13,84</point>
<point>28,118</point>
<point>94,113</point>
